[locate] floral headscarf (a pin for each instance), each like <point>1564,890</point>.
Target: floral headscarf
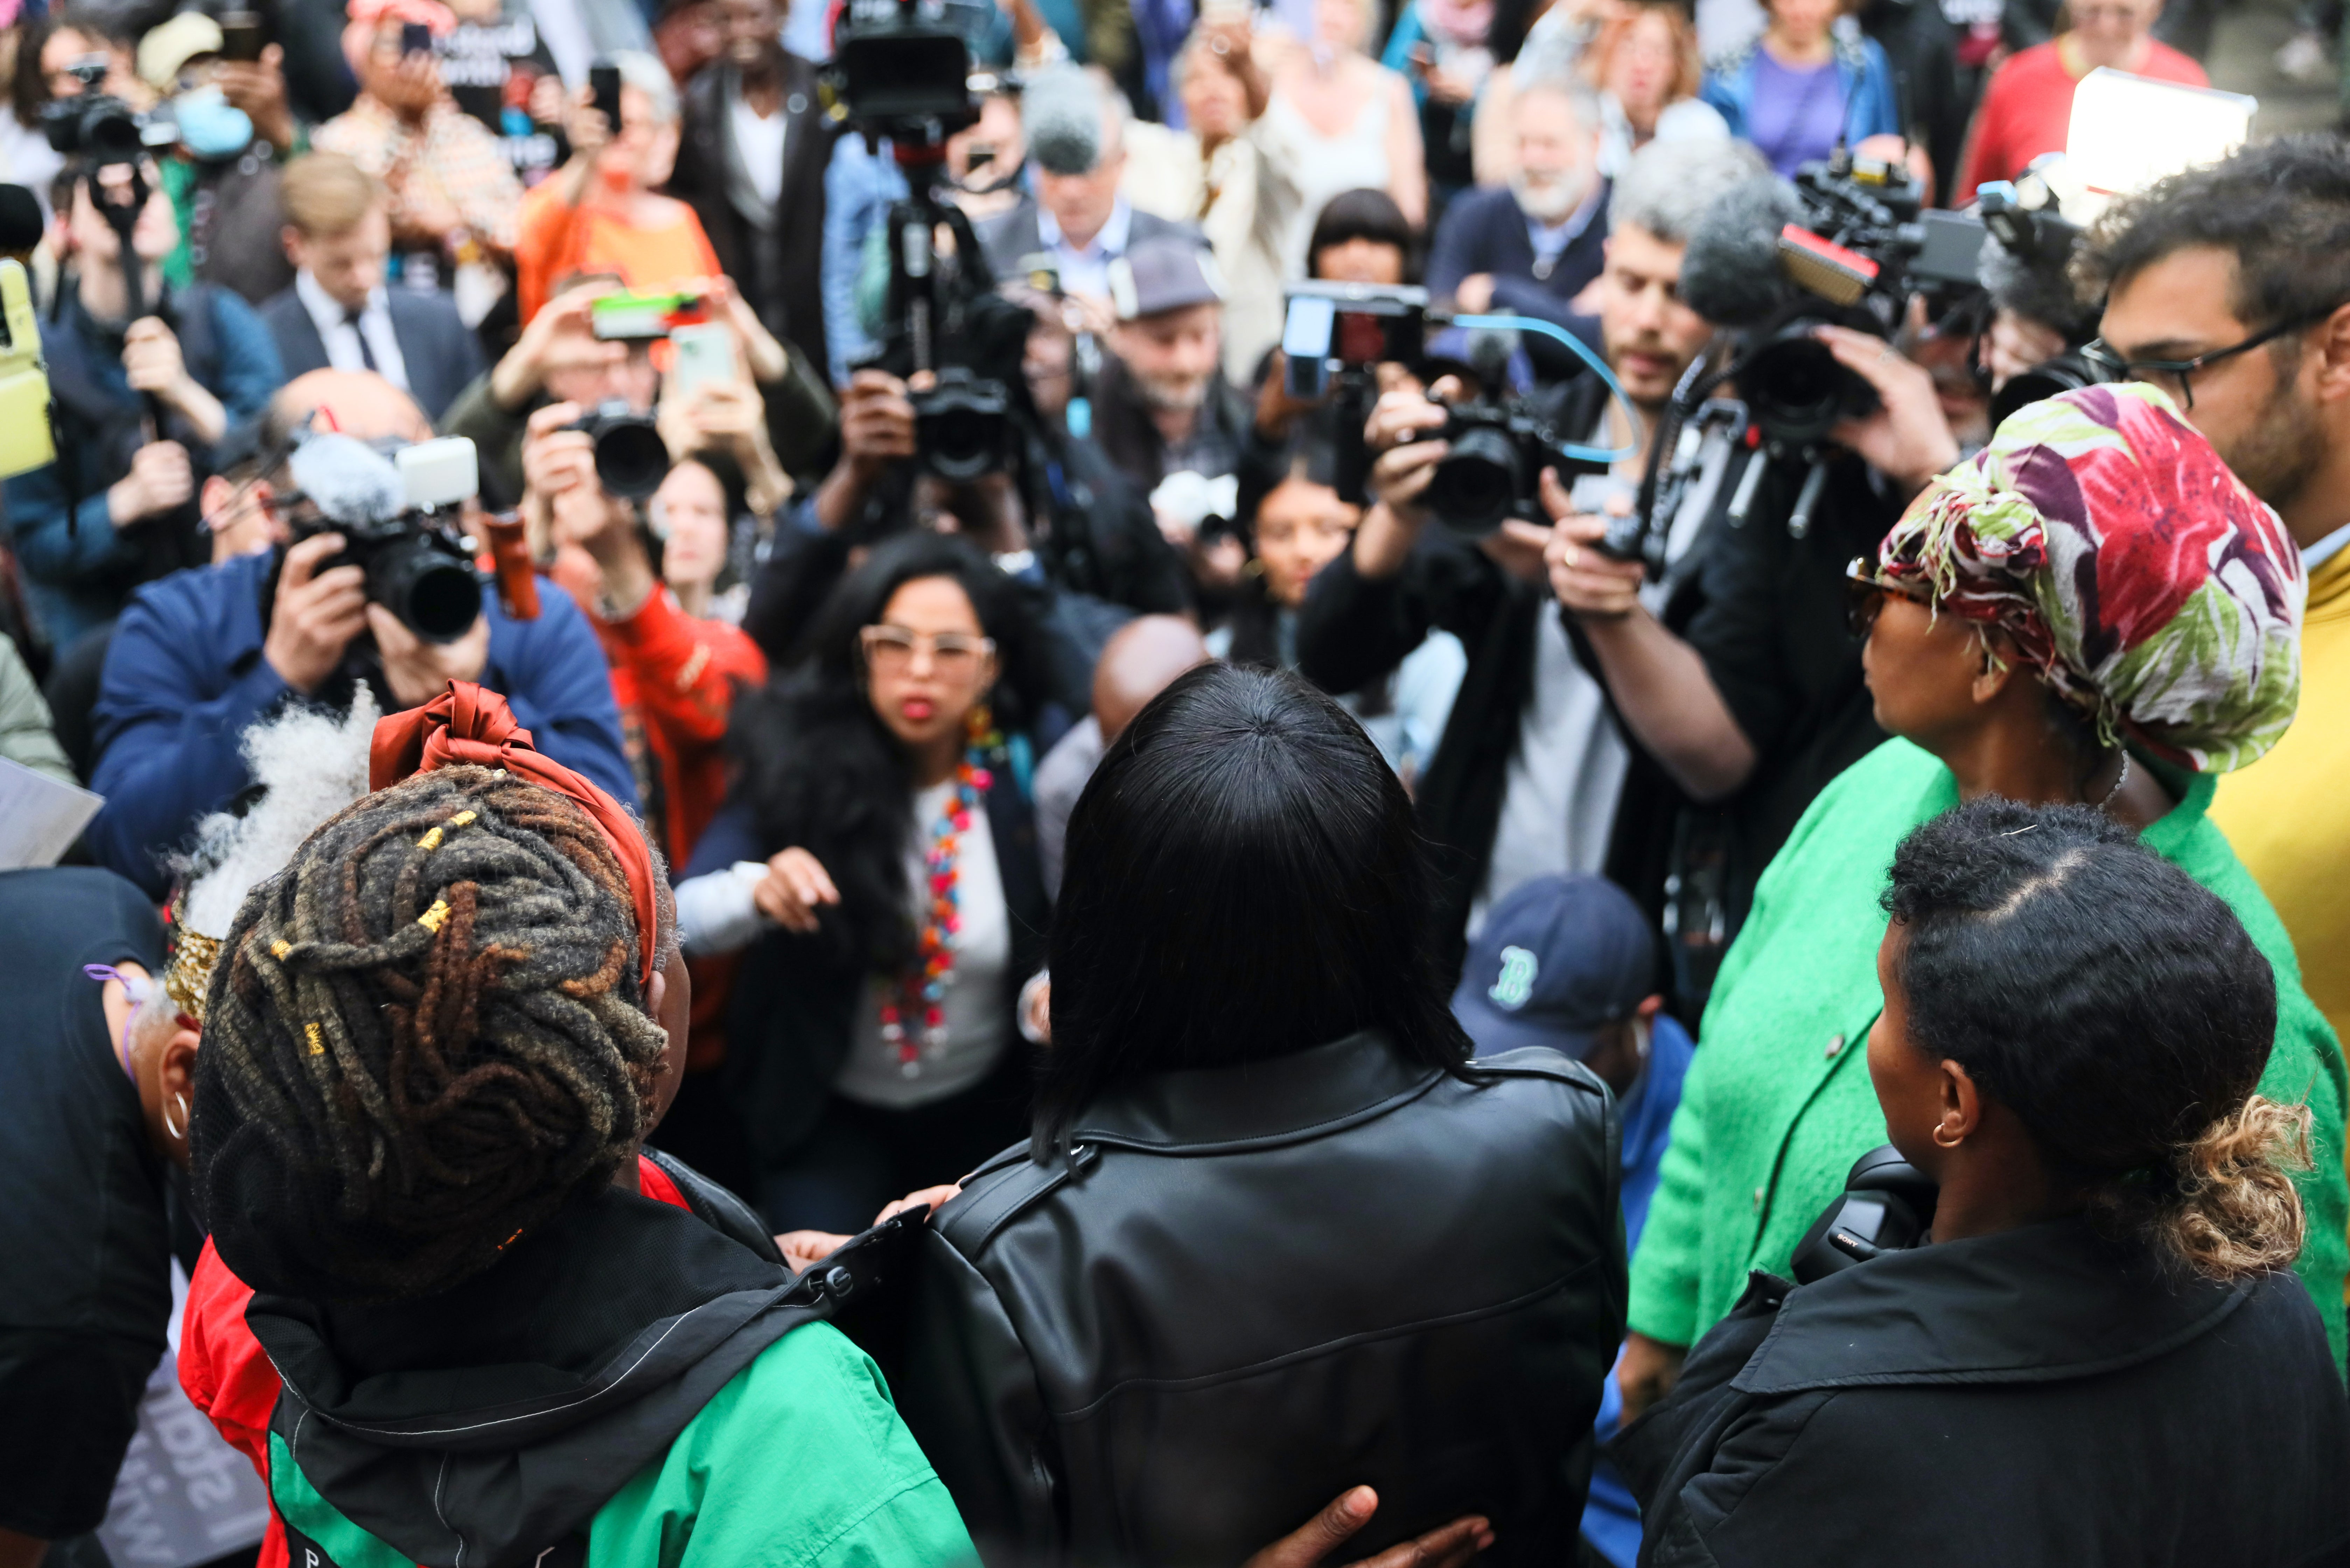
<point>2137,575</point>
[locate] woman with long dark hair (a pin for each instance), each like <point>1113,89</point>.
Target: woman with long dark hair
<point>875,865</point>
<point>1274,1234</point>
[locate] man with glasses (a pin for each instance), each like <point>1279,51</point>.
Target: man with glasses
<point>2229,287</point>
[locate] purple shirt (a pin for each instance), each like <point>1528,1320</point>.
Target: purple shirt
<point>1795,115</point>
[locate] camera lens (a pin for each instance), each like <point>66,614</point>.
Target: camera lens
<point>436,594</point>
<point>631,459</point>
<point>1477,481</point>
<point>962,442</point>
<point>110,134</point>
<point>1797,390</point>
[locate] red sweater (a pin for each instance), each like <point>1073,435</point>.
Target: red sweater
<point>228,1376</point>
<point>674,678</point>
<point>2028,109</point>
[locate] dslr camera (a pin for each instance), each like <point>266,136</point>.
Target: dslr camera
<point>96,126</point>
<point>1887,1206</point>
<point>400,512</point>
<point>631,459</point>
<point>1498,449</point>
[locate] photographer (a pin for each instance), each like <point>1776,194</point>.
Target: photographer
<point>2203,267</point>
<point>2072,1049</point>
<point>1526,780</point>
<point>138,404</point>
<point>197,657</point>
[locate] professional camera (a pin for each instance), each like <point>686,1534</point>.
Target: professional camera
<point>631,459</point>
<point>400,515</point>
<point>1886,1206</point>
<point>2022,268</point>
<point>897,67</point>
<point>1333,337</point>
<point>94,126</point>
<point>962,426</point>
<point>1498,449</point>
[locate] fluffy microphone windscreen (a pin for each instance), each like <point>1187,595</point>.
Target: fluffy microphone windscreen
<point>1729,274</point>
<point>349,481</point>
<point>1061,113</point>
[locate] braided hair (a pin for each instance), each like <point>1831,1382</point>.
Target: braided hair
<point>430,1033</point>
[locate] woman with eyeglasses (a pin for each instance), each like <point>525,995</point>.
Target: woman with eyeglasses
<point>876,867</point>
<point>2093,611</point>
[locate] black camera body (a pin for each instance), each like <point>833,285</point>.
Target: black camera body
<point>1887,1206</point>
<point>1494,470</point>
<point>420,568</point>
<point>962,426</point>
<point>897,74</point>
<point>400,510</point>
<point>92,124</point>
<point>631,459</point>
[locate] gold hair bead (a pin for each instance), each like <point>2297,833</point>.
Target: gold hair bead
<point>317,1045</point>
<point>464,819</point>
<point>280,948</point>
<point>433,919</point>
<point>432,840</point>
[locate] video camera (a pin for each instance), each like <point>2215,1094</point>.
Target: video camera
<point>2034,237</point>
<point>400,512</point>
<point>898,72</point>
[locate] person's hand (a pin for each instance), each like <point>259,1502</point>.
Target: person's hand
<point>1443,85</point>
<point>726,413</point>
<point>931,1197</point>
<point>161,478</point>
<point>259,87</point>
<point>768,360</point>
<point>422,212</point>
<point>1475,294</point>
<point>605,528</point>
<point>585,125</point>
<point>554,457</point>
<point>1588,582</point>
<point>2014,343</point>
<point>1397,430</point>
<point>1907,440</point>
<point>152,363</point>
<point>1645,1373</point>
<point>803,1249</point>
<point>877,423</point>
<point>416,670</point>
<point>1035,1008</point>
<point>547,102</point>
<point>523,370</point>
<point>314,614</point>
<point>1312,1544</point>
<point>1276,411</point>
<point>795,886</point>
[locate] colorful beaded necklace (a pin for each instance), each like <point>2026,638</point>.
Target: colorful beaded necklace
<point>920,989</point>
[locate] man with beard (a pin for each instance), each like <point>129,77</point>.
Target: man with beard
<point>1163,406</point>
<point>2229,287</point>
<point>1527,779</point>
<point>1532,246</point>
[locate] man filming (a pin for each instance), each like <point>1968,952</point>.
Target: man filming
<point>1527,778</point>
<point>139,402</point>
<point>199,655</point>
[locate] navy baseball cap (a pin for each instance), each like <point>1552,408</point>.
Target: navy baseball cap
<point>1558,961</point>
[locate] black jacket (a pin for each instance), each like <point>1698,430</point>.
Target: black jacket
<point>1485,232</point>
<point>781,269</point>
<point>1246,1289</point>
<point>2039,1396</point>
<point>440,350</point>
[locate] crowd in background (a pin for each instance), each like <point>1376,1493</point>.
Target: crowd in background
<point>1189,782</point>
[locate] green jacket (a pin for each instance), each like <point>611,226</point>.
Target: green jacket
<point>1778,1103</point>
<point>800,1461</point>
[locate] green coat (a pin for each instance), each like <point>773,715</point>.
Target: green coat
<point>1778,1103</point>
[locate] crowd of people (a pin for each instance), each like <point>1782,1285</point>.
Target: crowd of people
<point>806,843</point>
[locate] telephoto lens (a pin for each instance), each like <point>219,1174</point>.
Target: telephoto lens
<point>1478,483</point>
<point>631,459</point>
<point>435,594</point>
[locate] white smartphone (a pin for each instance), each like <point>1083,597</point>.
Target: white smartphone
<point>701,355</point>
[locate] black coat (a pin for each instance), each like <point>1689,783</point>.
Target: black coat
<point>1252,1287</point>
<point>2038,1397</point>
<point>787,290</point>
<point>1485,232</point>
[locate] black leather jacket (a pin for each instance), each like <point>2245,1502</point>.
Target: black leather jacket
<point>1247,1289</point>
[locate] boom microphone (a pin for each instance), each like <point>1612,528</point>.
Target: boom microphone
<point>350,481</point>
<point>1061,110</point>
<point>1729,273</point>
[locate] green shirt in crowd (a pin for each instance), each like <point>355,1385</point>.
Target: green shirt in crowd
<point>1778,1103</point>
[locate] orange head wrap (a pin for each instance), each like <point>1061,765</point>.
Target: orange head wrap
<point>471,724</point>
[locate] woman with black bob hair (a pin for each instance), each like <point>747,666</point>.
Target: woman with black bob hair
<point>1274,1235</point>
<point>875,865</point>
<point>2074,1029</point>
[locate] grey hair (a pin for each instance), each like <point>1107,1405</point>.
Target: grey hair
<point>1667,186</point>
<point>645,73</point>
<point>1574,88</point>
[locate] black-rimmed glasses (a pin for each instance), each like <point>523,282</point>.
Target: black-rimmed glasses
<point>2172,375</point>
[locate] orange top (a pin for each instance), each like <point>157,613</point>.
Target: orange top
<point>552,240</point>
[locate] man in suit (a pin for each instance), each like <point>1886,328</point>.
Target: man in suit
<point>1078,217</point>
<point>339,313</point>
<point>751,163</point>
<point>1532,246</point>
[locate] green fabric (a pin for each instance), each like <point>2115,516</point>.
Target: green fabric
<point>799,1461</point>
<point>1778,1102</point>
<point>180,181</point>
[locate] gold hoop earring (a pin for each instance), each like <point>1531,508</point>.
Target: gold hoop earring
<point>1941,1141</point>
<point>176,1133</point>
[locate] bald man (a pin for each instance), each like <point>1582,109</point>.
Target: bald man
<point>1141,660</point>
<point>198,656</point>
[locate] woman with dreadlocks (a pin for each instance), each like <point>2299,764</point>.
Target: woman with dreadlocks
<point>432,1048</point>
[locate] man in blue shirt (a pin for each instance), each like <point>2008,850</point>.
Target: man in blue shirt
<point>198,656</point>
<point>1569,963</point>
<point>140,403</point>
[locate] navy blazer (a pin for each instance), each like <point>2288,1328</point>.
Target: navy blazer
<point>1485,232</point>
<point>441,352</point>
<point>184,677</point>
<point>1009,238</point>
